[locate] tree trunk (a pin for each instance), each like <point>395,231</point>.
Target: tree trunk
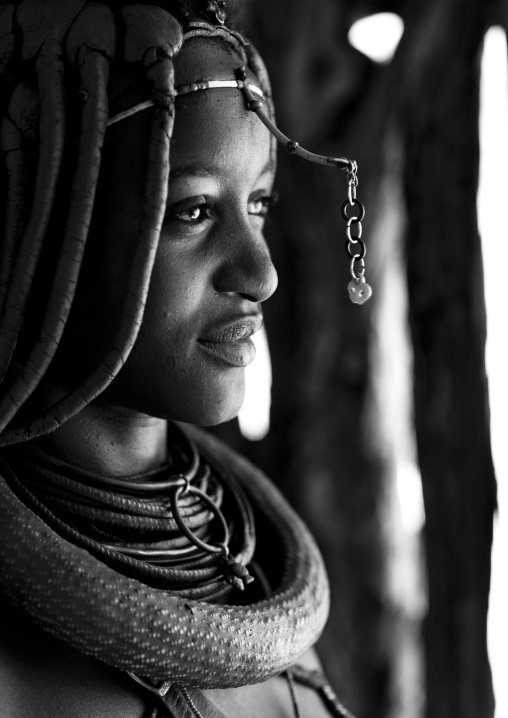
<point>447,318</point>
<point>318,450</point>
<point>332,100</point>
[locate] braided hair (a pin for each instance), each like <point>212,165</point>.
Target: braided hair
<point>55,62</point>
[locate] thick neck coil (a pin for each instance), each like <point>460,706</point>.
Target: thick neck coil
<point>166,528</point>
<point>154,632</point>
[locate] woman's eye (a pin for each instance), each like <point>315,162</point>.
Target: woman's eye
<point>259,206</point>
<point>198,210</point>
<point>192,215</point>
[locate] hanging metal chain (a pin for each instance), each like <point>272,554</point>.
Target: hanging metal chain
<point>358,289</point>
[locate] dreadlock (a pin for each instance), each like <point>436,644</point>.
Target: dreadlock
<point>55,58</point>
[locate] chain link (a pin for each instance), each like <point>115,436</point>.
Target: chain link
<point>357,274</point>
<point>353,212</point>
<point>357,225</point>
<point>353,254</point>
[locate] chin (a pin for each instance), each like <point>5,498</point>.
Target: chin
<point>204,399</point>
<point>218,418</point>
<point>204,406</point>
<point>211,414</point>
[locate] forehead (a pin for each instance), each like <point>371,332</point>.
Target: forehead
<point>214,123</point>
<point>210,125</point>
<point>206,59</point>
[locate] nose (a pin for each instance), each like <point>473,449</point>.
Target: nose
<point>246,267</point>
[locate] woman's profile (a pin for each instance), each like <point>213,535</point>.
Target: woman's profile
<point>146,569</point>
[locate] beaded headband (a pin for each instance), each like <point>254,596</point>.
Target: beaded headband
<point>187,90</point>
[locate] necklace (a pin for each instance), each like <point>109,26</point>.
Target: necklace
<point>154,632</point>
<point>165,526</point>
<point>196,705</point>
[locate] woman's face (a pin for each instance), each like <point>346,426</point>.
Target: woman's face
<point>213,268</point>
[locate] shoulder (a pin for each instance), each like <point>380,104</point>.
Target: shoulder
<point>41,677</point>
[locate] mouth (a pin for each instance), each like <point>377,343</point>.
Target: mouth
<point>230,342</point>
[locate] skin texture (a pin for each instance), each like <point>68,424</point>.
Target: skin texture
<point>212,272</point>
<point>209,274</point>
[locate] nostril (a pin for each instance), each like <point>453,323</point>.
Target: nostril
<point>250,297</point>
<point>269,285</point>
<point>249,272</point>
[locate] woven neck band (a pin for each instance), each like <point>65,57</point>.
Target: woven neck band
<point>164,528</point>
<point>152,632</point>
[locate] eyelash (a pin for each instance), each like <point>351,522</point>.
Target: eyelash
<point>266,201</point>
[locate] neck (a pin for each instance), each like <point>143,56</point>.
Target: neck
<point>110,440</point>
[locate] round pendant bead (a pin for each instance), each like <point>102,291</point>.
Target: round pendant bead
<point>359,291</point>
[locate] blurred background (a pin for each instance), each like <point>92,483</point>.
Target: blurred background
<point>384,425</point>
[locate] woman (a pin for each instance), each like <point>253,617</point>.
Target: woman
<point>145,568</point>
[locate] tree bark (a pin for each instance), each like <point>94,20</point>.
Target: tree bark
<point>447,318</point>
<point>318,450</point>
<point>332,100</point>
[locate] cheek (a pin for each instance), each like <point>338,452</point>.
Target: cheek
<point>174,312</point>
<point>167,374</point>
<point>175,298</point>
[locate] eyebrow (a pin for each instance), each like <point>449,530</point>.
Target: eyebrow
<point>190,171</point>
<point>199,170</point>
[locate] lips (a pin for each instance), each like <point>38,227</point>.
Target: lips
<point>229,343</point>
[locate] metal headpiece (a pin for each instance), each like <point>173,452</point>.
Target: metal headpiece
<point>358,289</point>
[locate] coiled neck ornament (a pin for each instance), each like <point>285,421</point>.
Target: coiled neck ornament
<point>95,599</point>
